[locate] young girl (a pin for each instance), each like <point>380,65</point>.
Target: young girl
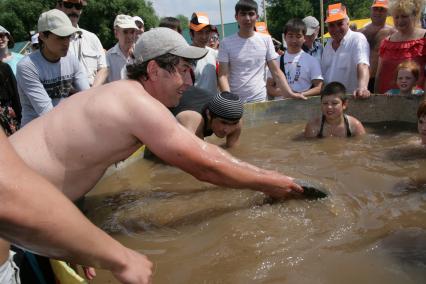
<point>333,121</point>
<point>407,75</point>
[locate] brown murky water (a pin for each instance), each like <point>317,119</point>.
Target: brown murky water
<point>372,229</point>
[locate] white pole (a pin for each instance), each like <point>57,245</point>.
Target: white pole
<point>221,19</point>
<point>322,21</point>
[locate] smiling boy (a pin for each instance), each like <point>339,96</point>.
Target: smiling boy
<point>333,121</point>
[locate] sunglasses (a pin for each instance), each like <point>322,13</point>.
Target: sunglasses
<point>69,5</point>
<point>3,35</point>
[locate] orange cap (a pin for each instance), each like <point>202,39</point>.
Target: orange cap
<point>262,28</point>
<point>199,21</point>
<point>336,12</point>
<point>380,3</point>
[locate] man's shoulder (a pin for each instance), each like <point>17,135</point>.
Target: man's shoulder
<point>89,36</point>
<point>112,50</point>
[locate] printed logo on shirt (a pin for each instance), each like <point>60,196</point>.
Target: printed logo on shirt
<point>59,87</point>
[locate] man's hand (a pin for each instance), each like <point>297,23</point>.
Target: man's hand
<point>293,95</point>
<point>362,93</point>
<point>137,269</point>
<point>287,189</point>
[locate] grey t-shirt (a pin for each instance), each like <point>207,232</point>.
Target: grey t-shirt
<point>43,84</point>
<point>194,99</point>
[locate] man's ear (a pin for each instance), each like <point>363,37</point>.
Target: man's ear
<point>345,105</point>
<point>152,70</point>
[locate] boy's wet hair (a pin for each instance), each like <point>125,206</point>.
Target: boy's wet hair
<point>246,5</point>
<point>295,25</point>
<point>409,65</point>
<point>334,88</point>
<point>421,111</point>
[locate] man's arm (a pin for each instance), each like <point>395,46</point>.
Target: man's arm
<point>316,88</point>
<point>223,77</point>
<point>193,121</point>
<point>204,161</point>
<point>281,81</point>
<point>101,77</point>
<point>29,83</point>
<point>363,75</point>
<point>38,217</point>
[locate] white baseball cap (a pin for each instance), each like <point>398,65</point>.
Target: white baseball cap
<point>57,22</point>
<point>125,22</point>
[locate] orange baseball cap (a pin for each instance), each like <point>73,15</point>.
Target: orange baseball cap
<point>336,12</point>
<point>262,28</point>
<point>380,3</point>
<point>199,21</point>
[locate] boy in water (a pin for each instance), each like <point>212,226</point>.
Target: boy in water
<point>421,122</point>
<point>333,121</point>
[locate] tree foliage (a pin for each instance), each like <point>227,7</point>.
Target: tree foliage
<point>20,16</point>
<point>184,21</point>
<point>280,11</point>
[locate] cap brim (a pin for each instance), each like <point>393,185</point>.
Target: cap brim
<point>190,52</point>
<point>379,5</point>
<point>198,27</point>
<point>65,31</point>
<point>335,18</point>
<point>127,26</point>
<point>310,31</point>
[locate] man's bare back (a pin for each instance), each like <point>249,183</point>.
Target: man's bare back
<point>73,147</point>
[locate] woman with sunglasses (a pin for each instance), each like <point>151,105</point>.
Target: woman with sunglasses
<point>407,43</point>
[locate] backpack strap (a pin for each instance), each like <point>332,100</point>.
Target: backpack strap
<point>282,63</point>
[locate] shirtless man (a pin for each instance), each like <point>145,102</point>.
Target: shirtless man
<point>375,32</point>
<point>74,144</point>
<point>36,216</point>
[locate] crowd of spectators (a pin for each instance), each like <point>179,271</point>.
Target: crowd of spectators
<point>224,74</point>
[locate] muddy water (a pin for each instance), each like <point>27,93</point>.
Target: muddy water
<point>372,229</point>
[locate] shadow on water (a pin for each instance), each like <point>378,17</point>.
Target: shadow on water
<point>390,128</point>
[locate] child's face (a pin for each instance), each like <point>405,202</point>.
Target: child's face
<point>222,127</point>
<point>421,126</point>
<point>294,41</point>
<point>405,80</point>
<point>332,106</point>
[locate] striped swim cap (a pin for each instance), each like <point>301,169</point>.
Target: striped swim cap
<point>227,106</point>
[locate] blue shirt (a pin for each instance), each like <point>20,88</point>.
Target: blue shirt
<point>315,51</point>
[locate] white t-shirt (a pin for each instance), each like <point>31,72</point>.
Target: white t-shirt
<point>341,65</point>
<point>300,69</point>
<point>246,58</point>
<point>205,71</point>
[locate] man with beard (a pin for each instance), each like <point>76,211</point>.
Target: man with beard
<point>85,45</point>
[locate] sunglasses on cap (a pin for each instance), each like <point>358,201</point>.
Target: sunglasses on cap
<point>69,5</point>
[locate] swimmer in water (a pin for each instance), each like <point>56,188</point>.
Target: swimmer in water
<point>334,122</point>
